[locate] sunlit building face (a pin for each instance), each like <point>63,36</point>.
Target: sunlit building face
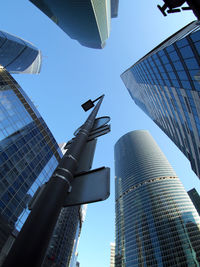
<point>28,156</point>
<point>156,222</point>
<point>165,84</point>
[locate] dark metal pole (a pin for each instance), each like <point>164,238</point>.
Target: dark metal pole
<point>30,246</point>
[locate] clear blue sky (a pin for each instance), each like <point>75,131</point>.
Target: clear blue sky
<point>72,73</point>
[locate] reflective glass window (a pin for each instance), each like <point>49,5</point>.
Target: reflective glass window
<point>191,63</point>
<point>174,56</point>
<point>172,75</point>
<point>181,43</point>
<point>178,65</point>
<point>186,52</point>
<point>197,45</point>
<point>196,85</point>
<point>9,51</point>
<point>2,38</point>
<point>195,36</point>
<point>182,75</point>
<point>168,67</point>
<point>164,59</point>
<point>170,48</point>
<point>186,84</point>
<point>24,60</point>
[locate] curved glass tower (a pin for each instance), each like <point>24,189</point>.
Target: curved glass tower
<point>29,155</point>
<point>18,55</point>
<point>156,222</point>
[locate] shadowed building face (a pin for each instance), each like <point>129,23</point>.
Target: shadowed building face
<point>86,21</point>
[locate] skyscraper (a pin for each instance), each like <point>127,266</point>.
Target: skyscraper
<point>165,84</point>
<point>156,222</point>
<point>112,254</point>
<point>86,21</point>
<point>28,156</point>
<point>66,232</point>
<point>18,55</point>
<point>194,196</point>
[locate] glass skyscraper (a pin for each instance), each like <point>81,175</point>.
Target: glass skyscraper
<point>18,55</point>
<point>86,21</point>
<point>66,232</point>
<point>165,84</point>
<point>28,156</point>
<point>194,196</point>
<point>28,152</point>
<point>156,222</point>
<point>112,254</point>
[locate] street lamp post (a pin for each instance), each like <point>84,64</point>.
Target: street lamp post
<point>31,244</point>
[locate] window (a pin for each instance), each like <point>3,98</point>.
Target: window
<point>186,52</point>
<point>181,43</point>
<point>191,63</point>
<point>174,56</point>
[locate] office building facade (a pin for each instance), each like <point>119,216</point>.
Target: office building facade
<point>64,238</point>
<point>28,156</point>
<point>156,222</point>
<point>86,21</point>
<point>18,55</point>
<point>165,84</point>
<point>194,196</point>
<point>112,254</point>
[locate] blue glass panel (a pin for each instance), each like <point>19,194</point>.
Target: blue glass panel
<point>186,84</point>
<point>161,53</point>
<point>196,85</point>
<point>164,59</point>
<point>176,83</point>
<point>195,36</point>
<point>9,51</point>
<point>194,74</point>
<point>2,38</point>
<point>174,56</point>
<point>182,75</point>
<point>168,67</point>
<point>191,63</point>
<point>170,48</point>
<point>178,65</point>
<point>181,43</point>
<point>14,38</point>
<point>186,52</point>
<point>197,45</point>
<point>24,60</point>
<point>172,75</point>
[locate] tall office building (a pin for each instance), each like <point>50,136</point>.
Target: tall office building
<point>165,84</point>
<point>112,254</point>
<point>156,222</point>
<point>64,237</point>
<point>18,55</point>
<point>28,156</point>
<point>194,196</point>
<point>86,21</point>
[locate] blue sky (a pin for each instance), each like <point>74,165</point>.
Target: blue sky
<point>72,73</point>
